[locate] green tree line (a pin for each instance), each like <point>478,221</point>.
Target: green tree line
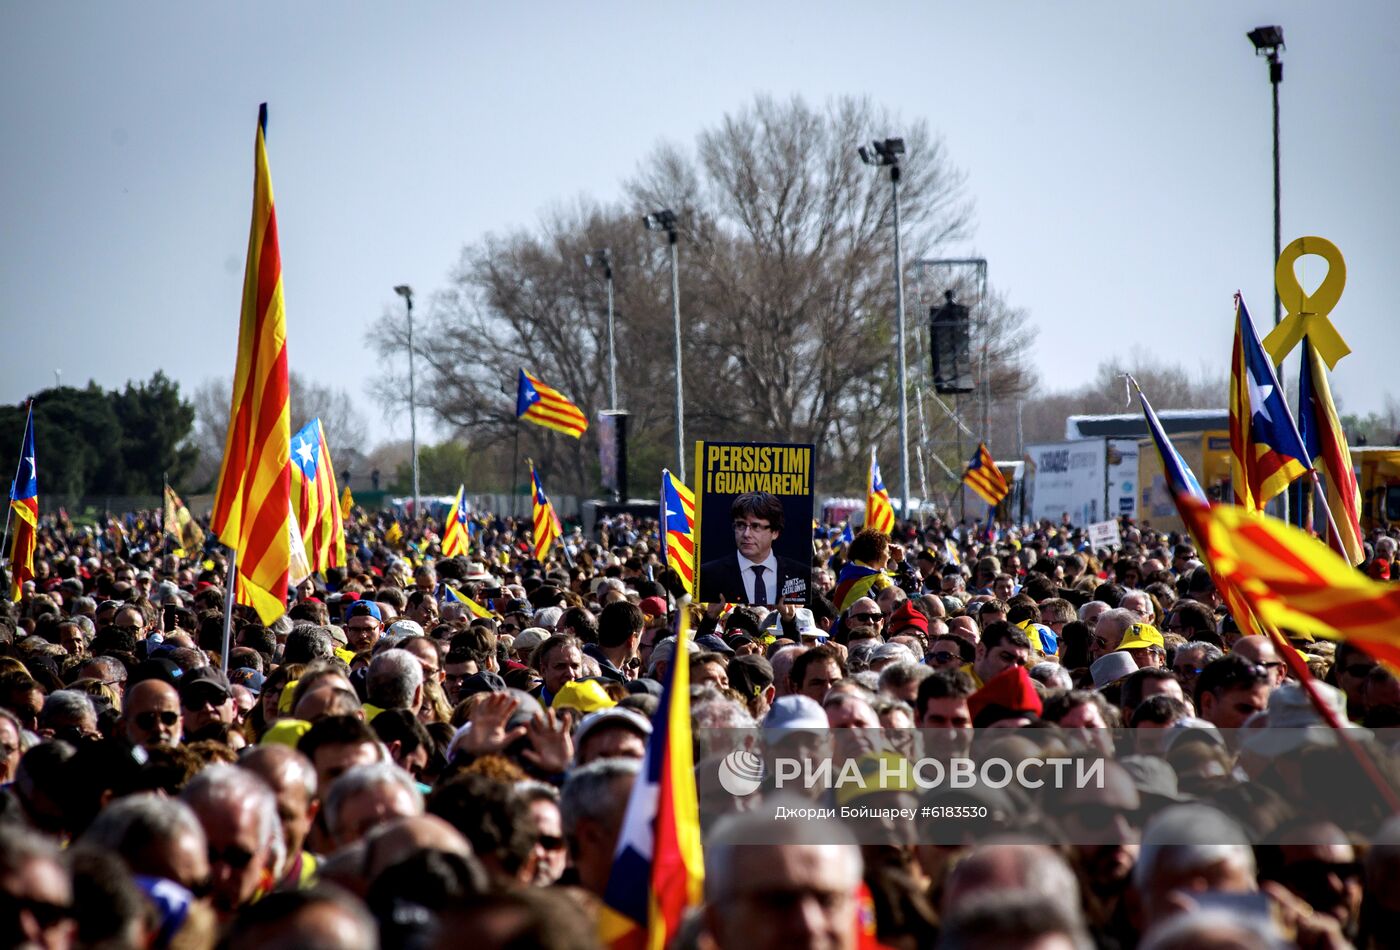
<point>92,441</point>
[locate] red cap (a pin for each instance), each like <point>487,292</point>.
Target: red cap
<point>1012,689</point>
<point>653,606</point>
<point>907,616</point>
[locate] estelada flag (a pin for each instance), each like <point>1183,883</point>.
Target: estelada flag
<point>984,478</point>
<point>253,502</point>
<point>314,498</point>
<point>546,523</point>
<point>658,867</point>
<point>1326,445</point>
<point>1296,583</point>
<point>476,609</point>
<point>24,502</point>
<point>456,539</point>
<point>879,513</point>
<point>547,406</point>
<point>1267,453</point>
<point>1185,490</point>
<point>678,528</point>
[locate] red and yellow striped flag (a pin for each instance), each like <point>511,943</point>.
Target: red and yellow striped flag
<point>984,478</point>
<point>678,528</point>
<point>252,505</point>
<point>456,539</point>
<point>314,500</point>
<point>1294,582</point>
<point>879,513</point>
<point>547,406</point>
<point>546,523</point>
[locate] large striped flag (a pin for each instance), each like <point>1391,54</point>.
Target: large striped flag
<point>1295,582</point>
<point>314,498</point>
<point>855,581</point>
<point>546,522</point>
<point>1181,481</point>
<point>252,505</point>
<point>1267,454</point>
<point>456,539</point>
<point>984,478</point>
<point>879,513</point>
<point>547,406</point>
<point>24,502</point>
<point>1326,445</point>
<point>1185,491</point>
<point>475,609</point>
<point>658,867</point>
<point>678,528</point>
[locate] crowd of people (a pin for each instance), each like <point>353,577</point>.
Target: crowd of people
<point>388,765</point>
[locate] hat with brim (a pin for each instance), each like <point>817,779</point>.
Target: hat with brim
<point>1112,667</point>
<point>794,713</point>
<point>1154,778</point>
<point>586,696</point>
<point>1141,636</point>
<point>1294,723</point>
<point>614,717</point>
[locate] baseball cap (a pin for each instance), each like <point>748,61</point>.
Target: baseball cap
<point>611,717</point>
<point>364,608</point>
<point>202,683</point>
<point>405,628</point>
<point>248,678</point>
<point>795,713</point>
<point>653,606</point>
<point>157,668</point>
<point>586,696</point>
<point>483,682</point>
<point>529,638</point>
<point>520,606</point>
<point>714,643</point>
<point>1140,636</point>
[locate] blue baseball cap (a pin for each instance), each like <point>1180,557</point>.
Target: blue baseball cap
<point>364,608</point>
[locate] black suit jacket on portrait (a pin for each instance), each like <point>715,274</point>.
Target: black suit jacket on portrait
<point>721,579</point>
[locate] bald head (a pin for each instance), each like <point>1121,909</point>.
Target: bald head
<point>151,715</point>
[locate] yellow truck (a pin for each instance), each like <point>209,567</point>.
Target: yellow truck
<point>1378,475</point>
<point>1208,455</point>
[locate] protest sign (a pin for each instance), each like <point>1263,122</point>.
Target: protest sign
<point>753,522</point>
<point>1105,534</point>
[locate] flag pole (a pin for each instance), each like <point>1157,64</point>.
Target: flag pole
<point>230,582</point>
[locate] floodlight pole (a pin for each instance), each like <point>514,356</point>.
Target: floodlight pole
<point>676,320</point>
<point>900,362</point>
<point>406,292</point>
<point>886,153</point>
<point>603,258</point>
<point>1268,40</point>
<point>665,220</point>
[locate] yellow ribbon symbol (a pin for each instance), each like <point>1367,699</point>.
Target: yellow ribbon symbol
<point>1307,313</point>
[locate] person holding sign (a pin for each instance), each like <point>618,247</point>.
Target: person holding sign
<point>754,574</point>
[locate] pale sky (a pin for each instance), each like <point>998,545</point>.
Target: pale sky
<point>1118,155</point>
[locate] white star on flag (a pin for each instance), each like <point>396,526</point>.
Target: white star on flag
<point>304,452</point>
<point>1258,398</point>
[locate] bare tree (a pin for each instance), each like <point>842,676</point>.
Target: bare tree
<point>787,295</point>
<point>343,423</point>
